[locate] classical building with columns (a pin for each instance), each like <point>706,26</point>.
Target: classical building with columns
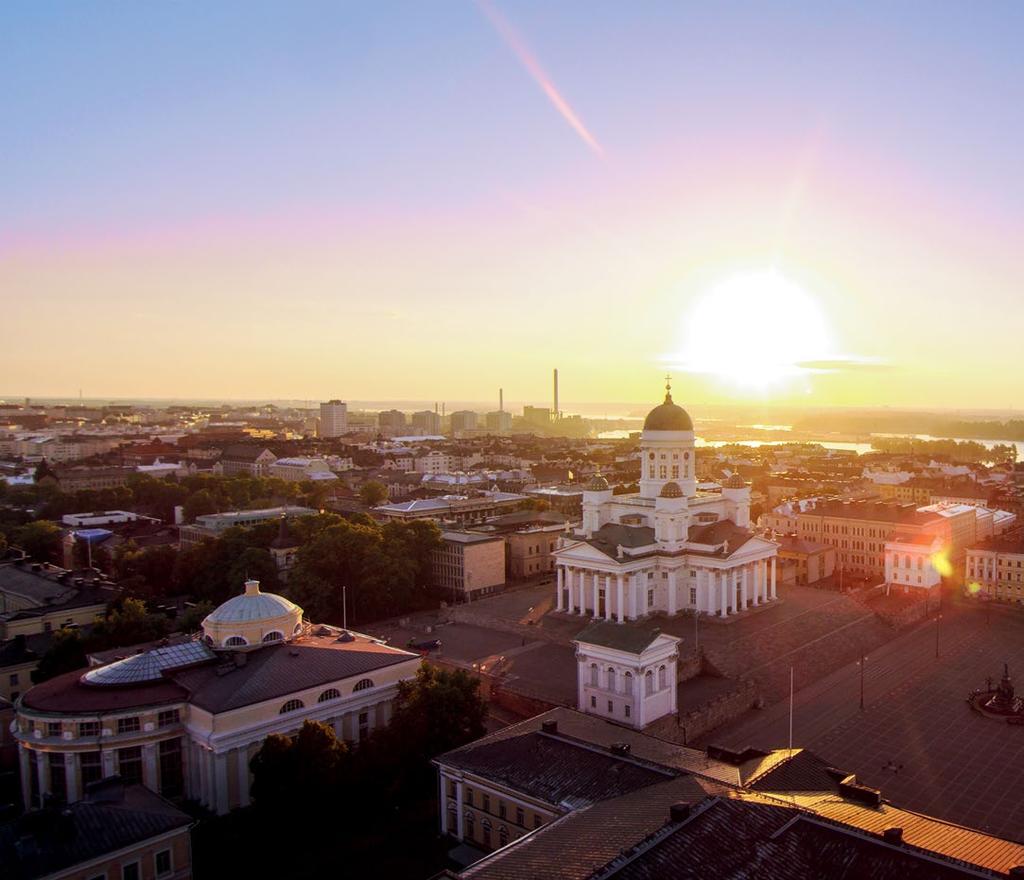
<point>186,718</point>
<point>669,547</point>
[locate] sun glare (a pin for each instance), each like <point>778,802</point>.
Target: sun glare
<point>754,330</point>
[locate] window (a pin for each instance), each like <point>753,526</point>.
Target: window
<point>162,862</point>
<point>12,678</point>
<point>487,833</point>
<point>168,717</point>
<point>502,835</point>
<point>91,767</point>
<point>172,776</point>
<point>650,598</point>
<point>593,702</point>
<point>662,675</point>
<point>129,764</point>
<point>131,871</point>
<point>274,636</point>
<point>649,682</point>
<point>537,821</point>
<point>611,679</point>
<point>520,817</point>
<point>611,708</point>
<point>627,710</point>
<point>486,804</point>
<point>593,674</point>
<point>628,683</point>
<point>329,694</point>
<point>128,725</point>
<point>235,642</point>
<point>364,724</point>
<point>53,728</point>
<point>469,796</point>
<point>693,595</point>
<point>292,706</point>
<point>469,824</point>
<point>502,810</point>
<point>453,821</point>
<point>363,684</point>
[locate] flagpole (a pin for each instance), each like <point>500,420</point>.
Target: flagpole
<point>791,711</point>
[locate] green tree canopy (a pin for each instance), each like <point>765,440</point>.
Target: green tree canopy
<point>373,493</point>
<point>40,539</point>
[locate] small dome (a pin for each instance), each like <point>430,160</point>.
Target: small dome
<point>597,484</point>
<point>671,490</point>
<point>735,482</point>
<point>251,619</point>
<point>668,416</point>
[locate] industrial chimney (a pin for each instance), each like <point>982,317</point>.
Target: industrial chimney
<point>554,414</point>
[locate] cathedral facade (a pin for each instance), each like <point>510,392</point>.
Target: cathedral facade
<point>670,547</point>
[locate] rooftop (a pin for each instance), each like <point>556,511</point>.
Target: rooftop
<point>630,638</point>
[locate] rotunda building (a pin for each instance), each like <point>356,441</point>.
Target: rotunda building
<point>252,619</point>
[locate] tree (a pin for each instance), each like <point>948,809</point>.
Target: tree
<point>193,617</point>
<point>66,652</point>
<point>254,563</point>
<point>373,493</point>
<point>199,504</point>
<point>128,625</point>
<point>39,539</point>
<point>302,775</point>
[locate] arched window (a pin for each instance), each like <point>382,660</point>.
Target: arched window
<point>627,683</point>
<point>502,835</point>
<point>661,677</point>
<point>453,823</point>
<point>649,682</point>
<point>235,642</point>
<point>329,694</point>
<point>611,679</point>
<point>275,636</point>
<point>593,674</point>
<point>487,832</point>
<point>291,706</point>
<point>363,684</point>
<point>468,824</point>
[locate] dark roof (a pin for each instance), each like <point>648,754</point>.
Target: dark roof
<point>575,846</point>
<point>668,416</point>
<point>279,670</point>
<point>556,768</point>
<point>24,649</point>
<point>805,771</point>
<point>110,819</point>
<point>610,536</point>
<point>244,453</point>
<point>66,693</point>
<point>718,533</point>
<point>1010,542</point>
<point>619,636</point>
<point>876,511</point>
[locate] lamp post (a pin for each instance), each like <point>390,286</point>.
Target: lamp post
<point>938,620</point>
<point>863,661</point>
<point>344,607</point>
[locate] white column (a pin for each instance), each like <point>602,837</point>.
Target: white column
<point>220,763</point>
<point>632,596</point>
<point>559,581</point>
<point>71,775</point>
<point>595,612</point>
<point>243,776</point>
<point>773,578</point>
<point>743,586</point>
<point>607,597</point>
<point>583,592</point>
<point>638,699</point>
<point>619,598</point>
<point>109,763</point>
<point>26,777</point>
<point>149,767</point>
<point>43,774</point>
<point>442,782</point>
<point>722,587</point>
<point>762,579</point>
<point>702,583</point>
<point>458,808</point>
<point>672,592</point>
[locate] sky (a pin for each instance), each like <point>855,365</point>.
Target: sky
<point>781,202</point>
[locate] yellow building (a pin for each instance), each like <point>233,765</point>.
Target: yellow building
<point>995,568</point>
<point>185,719</point>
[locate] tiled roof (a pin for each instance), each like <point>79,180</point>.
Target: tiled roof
<point>279,670</point>
<point>67,694</point>
<point>555,769</point>
<point>628,637</point>
<point>40,843</point>
<point>720,532</point>
<point>610,536</point>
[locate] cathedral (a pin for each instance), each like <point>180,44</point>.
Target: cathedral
<point>669,548</point>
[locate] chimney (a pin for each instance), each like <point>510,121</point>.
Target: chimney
<point>555,413</point>
<point>550,725</point>
<point>679,812</point>
<point>252,588</point>
<point>501,400</point>
<point>893,835</point>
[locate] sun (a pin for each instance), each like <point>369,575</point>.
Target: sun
<point>754,330</point>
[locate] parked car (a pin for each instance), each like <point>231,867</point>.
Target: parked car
<point>424,644</point>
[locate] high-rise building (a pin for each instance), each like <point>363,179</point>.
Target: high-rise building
<point>463,420</point>
<point>537,415</point>
<point>333,418</point>
<point>426,422</point>
<point>391,419</point>
<point>499,422</point>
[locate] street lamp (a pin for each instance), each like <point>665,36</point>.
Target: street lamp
<point>938,620</point>
<point>863,663</point>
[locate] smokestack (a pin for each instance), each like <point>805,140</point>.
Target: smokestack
<point>555,414</point>
<point>501,400</point>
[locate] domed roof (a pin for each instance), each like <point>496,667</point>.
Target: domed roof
<point>597,484</point>
<point>668,416</point>
<point>735,482</point>
<point>671,490</point>
<point>252,606</point>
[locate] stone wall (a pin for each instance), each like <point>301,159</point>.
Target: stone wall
<point>467,614</point>
<point>718,711</point>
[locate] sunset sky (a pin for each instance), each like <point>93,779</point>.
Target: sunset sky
<point>427,200</point>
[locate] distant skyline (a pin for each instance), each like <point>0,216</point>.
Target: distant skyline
<point>294,201</point>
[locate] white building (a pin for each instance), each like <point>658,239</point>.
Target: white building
<point>333,418</point>
<point>670,547</point>
<point>297,470</point>
<point>911,562</point>
<point>626,673</point>
<point>186,719</point>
